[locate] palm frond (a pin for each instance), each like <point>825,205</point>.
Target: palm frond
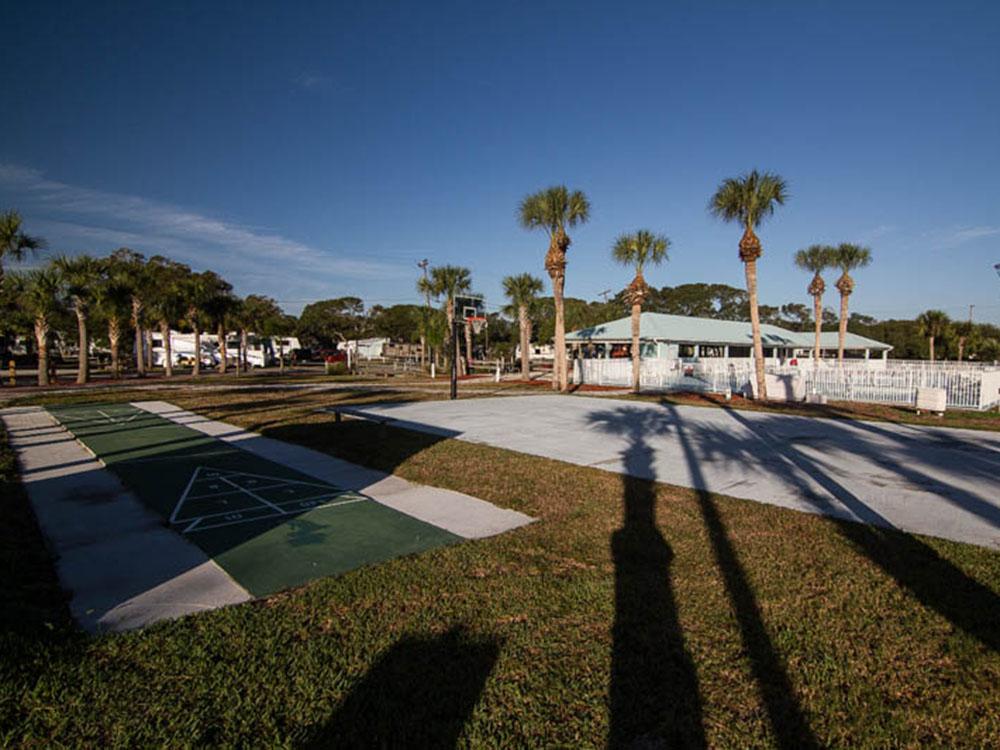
<point>849,256</point>
<point>749,198</point>
<point>640,248</point>
<point>816,258</point>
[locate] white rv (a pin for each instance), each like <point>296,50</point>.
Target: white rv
<point>260,350</point>
<point>182,348</point>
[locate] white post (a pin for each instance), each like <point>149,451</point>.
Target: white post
<point>433,371</point>
<point>496,378</point>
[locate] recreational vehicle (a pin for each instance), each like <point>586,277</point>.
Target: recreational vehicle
<point>182,349</point>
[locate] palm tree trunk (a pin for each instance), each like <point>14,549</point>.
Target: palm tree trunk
<point>243,349</point>
<point>168,355</point>
<point>42,341</point>
<point>281,355</point>
<point>636,359</point>
<point>114,337</point>
<point>559,376</point>
<point>140,360</point>
<point>930,345</point>
<point>148,337</point>
<point>221,333</point>
<point>818,312</point>
<point>423,351</point>
<point>961,347</point>
<point>196,368</point>
<point>525,325</point>
<point>83,356</point>
<point>758,345</point>
<point>842,331</point>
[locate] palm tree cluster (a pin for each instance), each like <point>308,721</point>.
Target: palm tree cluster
<point>123,291</point>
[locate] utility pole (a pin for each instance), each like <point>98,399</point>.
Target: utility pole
<point>605,294</point>
<point>422,265</point>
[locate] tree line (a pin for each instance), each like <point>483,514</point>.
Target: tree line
<point>123,294</point>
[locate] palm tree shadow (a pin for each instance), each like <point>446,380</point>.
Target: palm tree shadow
<point>935,581</point>
<point>420,693</point>
<point>655,697</point>
<point>786,717</point>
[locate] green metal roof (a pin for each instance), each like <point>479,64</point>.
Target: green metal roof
<point>685,330</point>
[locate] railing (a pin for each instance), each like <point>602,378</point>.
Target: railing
<point>967,386</point>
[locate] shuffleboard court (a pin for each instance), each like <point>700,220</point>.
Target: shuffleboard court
<point>269,526</point>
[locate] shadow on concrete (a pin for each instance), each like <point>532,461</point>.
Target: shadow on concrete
<point>420,693</point>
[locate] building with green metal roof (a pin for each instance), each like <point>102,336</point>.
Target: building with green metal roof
<point>665,336</point>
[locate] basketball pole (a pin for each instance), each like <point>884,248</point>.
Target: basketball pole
<point>454,359</point>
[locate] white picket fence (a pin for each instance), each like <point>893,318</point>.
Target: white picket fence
<point>967,386</point>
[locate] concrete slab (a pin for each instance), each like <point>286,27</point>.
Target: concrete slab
<point>122,568</point>
<point>936,481</point>
<point>460,514</point>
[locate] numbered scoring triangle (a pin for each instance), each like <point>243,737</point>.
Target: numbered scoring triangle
<point>219,497</point>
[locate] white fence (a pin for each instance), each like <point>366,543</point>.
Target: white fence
<point>967,386</point>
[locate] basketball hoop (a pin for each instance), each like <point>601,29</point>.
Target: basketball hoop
<point>477,322</point>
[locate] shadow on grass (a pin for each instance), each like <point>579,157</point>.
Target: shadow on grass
<point>420,693</point>
<point>654,685</point>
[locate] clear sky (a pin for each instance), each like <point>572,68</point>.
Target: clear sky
<point>316,150</point>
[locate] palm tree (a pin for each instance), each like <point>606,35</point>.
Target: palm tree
<point>638,249</point>
<point>168,305</point>
<point>816,258</point>
<point>200,289</point>
<point>449,282</point>
<point>748,200</point>
<point>113,297</point>
<point>522,290</point>
<point>14,243</point>
<point>847,257</point>
<point>933,323</point>
<point>81,276</point>
<point>133,267</point>
<point>219,308</point>
<point>554,209</point>
<point>43,298</point>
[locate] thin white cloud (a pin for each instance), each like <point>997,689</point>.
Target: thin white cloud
<point>104,220</point>
<point>955,236</point>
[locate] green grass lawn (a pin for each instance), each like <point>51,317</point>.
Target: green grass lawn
<point>631,610</point>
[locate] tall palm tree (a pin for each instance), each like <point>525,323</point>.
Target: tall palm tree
<point>133,268</point>
<point>933,323</point>
<point>43,298</point>
<point>81,276</point>
<point>748,200</point>
<point>555,209</point>
<point>219,307</point>
<point>113,297</point>
<point>847,257</point>
<point>449,282</point>
<point>639,249</point>
<point>816,258</point>
<point>522,290</point>
<point>167,303</point>
<point>200,289</point>
<point>15,244</point>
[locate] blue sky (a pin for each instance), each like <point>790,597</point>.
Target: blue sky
<point>311,151</point>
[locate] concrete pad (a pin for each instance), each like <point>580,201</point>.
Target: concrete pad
<point>936,481</point>
<point>122,568</point>
<point>460,514</point>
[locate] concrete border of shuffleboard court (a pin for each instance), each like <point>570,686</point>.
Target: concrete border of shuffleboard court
<point>462,515</point>
<point>121,567</point>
